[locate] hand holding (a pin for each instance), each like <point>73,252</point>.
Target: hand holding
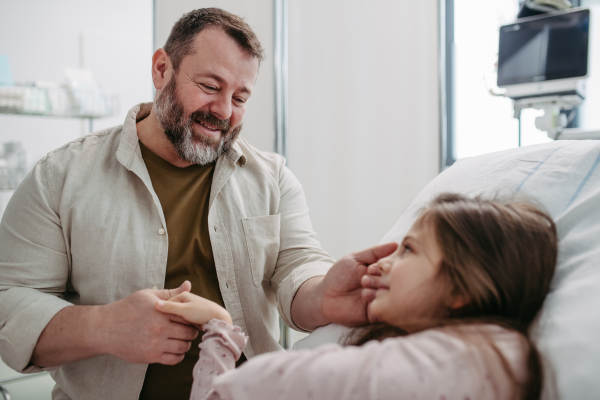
<point>136,332</point>
<point>193,309</point>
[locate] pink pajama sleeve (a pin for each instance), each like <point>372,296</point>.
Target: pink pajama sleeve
<point>222,345</point>
<point>432,364</point>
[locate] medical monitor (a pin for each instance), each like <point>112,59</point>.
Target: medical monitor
<point>546,54</point>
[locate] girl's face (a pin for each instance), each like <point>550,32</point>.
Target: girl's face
<point>410,287</point>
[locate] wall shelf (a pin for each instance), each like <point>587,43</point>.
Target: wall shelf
<point>50,100</point>
<point>53,100</point>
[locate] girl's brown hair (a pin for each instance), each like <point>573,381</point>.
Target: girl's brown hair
<point>501,256</point>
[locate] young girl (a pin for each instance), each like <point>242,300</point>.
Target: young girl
<point>454,304</point>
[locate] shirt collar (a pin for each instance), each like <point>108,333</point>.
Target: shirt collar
<point>129,138</point>
<point>236,154</point>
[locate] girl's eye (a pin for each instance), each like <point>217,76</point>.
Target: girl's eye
<point>405,249</point>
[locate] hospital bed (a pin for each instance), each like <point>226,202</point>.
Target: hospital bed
<point>564,178</point>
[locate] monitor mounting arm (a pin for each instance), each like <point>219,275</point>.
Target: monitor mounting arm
<point>553,122</point>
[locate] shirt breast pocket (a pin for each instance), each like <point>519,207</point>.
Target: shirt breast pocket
<point>262,241</point>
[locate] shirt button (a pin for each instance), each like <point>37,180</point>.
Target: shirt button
<point>154,288</point>
<point>161,231</point>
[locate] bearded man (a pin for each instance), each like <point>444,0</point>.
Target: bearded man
<point>173,198</point>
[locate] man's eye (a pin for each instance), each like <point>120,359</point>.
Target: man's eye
<point>209,87</point>
<point>240,100</point>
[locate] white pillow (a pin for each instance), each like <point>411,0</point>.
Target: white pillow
<point>564,177</point>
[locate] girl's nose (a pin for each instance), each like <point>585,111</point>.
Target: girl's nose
<point>384,264</point>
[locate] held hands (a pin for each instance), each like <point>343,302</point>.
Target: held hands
<point>193,309</point>
<point>136,332</point>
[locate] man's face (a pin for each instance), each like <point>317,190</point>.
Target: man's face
<point>202,106</point>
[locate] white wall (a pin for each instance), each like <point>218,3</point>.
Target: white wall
<point>364,123</point>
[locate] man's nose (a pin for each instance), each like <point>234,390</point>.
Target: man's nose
<point>221,107</point>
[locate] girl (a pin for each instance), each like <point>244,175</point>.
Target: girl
<point>453,307</point>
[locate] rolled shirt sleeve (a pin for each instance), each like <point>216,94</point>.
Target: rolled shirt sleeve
<point>300,254</point>
<point>35,268</point>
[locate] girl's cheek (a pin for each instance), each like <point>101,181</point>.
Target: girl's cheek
<point>374,308</point>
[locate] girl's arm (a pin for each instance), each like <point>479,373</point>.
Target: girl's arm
<point>221,347</point>
<point>427,365</point>
<point>222,343</point>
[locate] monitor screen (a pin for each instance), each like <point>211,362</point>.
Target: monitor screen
<point>544,48</point>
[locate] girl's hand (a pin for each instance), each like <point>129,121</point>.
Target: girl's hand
<point>194,309</point>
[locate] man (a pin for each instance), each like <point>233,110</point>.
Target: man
<point>173,195</point>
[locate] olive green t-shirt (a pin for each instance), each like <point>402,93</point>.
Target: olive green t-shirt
<point>183,195</point>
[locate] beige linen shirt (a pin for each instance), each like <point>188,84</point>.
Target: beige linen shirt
<point>86,227</point>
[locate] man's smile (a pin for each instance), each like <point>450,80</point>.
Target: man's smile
<point>208,129</point>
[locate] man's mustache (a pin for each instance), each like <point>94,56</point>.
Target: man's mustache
<point>207,117</point>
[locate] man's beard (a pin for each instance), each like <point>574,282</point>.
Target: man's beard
<point>197,149</point>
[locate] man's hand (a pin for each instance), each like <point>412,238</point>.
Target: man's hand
<point>131,329</point>
<point>370,283</point>
<point>343,302</point>
<point>136,332</point>
<point>337,297</point>
<point>193,309</point>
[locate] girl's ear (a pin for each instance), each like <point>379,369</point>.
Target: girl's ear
<point>458,302</point>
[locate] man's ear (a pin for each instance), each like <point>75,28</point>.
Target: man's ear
<point>162,69</point>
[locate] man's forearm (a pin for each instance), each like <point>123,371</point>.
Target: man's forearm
<point>71,335</point>
<point>307,312</point>
<point>130,329</point>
